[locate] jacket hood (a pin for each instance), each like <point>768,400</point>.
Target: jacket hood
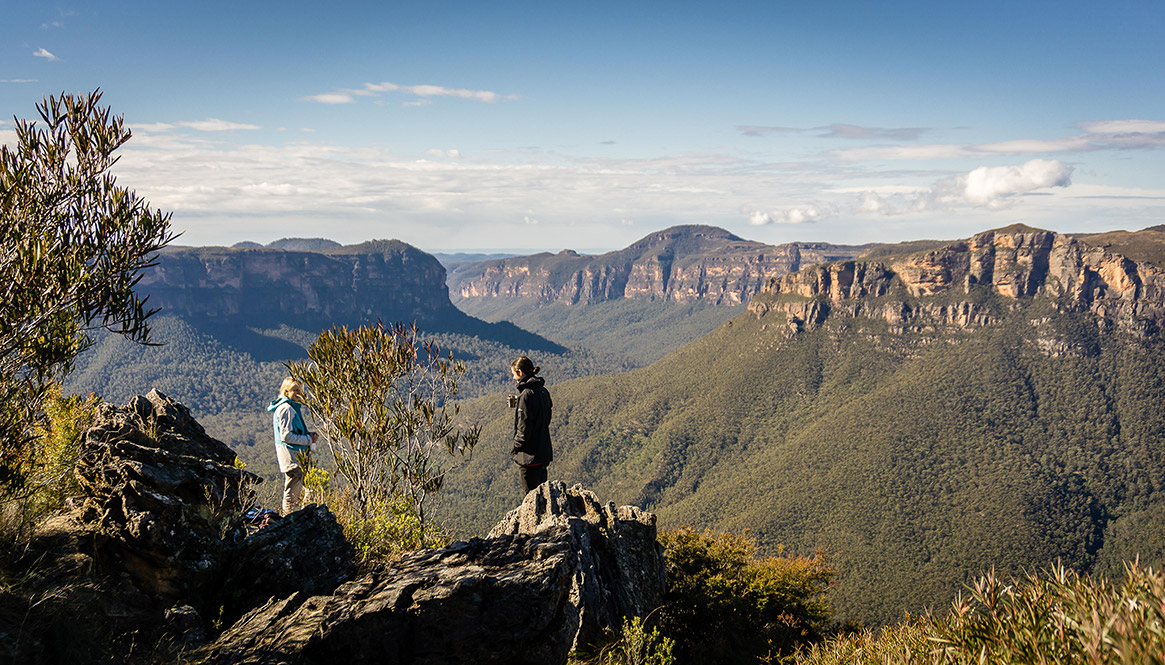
<point>276,403</point>
<point>531,382</point>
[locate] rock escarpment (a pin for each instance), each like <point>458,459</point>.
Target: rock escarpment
<point>974,283</point>
<point>683,264</point>
<point>266,286</point>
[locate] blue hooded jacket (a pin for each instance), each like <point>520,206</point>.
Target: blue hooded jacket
<point>298,426</point>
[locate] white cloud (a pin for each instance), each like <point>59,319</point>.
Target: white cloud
<point>990,185</point>
<point>799,215</point>
<point>332,98</point>
<point>216,125</point>
<point>902,152</point>
<point>424,93</point>
<point>18,80</point>
<point>152,127</point>
<point>1036,146</point>
<point>208,125</point>
<point>530,221</point>
<point>8,137</point>
<point>453,154</point>
<point>42,53</point>
<point>1124,127</point>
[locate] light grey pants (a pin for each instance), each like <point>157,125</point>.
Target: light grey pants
<point>292,490</point>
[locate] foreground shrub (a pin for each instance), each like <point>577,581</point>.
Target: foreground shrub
<point>726,604</point>
<point>47,462</point>
<point>380,527</point>
<point>1058,618</point>
<point>382,397</point>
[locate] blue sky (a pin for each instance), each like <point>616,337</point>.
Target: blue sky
<point>529,126</point>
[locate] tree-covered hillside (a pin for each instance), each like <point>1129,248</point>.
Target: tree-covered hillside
<point>920,458</point>
<point>638,331</point>
<point>227,375</point>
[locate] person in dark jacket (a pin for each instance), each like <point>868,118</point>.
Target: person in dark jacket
<point>531,452</point>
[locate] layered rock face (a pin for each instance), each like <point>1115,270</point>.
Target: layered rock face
<point>155,550</point>
<point>378,279</point>
<point>952,286</point>
<point>558,573</point>
<point>683,263</point>
<point>619,572</point>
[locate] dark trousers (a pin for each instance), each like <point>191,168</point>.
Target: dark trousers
<point>532,476</point>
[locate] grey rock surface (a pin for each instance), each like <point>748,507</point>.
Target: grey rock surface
<point>620,567</point>
<point>503,600</point>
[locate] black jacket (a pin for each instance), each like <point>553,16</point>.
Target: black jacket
<point>532,423</point>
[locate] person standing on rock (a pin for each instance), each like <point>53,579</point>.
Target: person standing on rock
<point>292,439</point>
<point>532,405</point>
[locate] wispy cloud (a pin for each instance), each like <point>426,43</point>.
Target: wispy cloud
<point>42,53</point>
<point>423,94</point>
<point>19,80</point>
<point>902,152</point>
<point>1101,135</point>
<point>208,125</point>
<point>216,125</point>
<point>839,131</point>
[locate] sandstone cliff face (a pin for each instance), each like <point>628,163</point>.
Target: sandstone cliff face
<point>388,280</point>
<point>952,285</point>
<point>684,264</point>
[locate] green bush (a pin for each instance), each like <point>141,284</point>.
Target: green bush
<point>46,464</point>
<point>726,604</point>
<point>381,396</point>
<point>1058,618</point>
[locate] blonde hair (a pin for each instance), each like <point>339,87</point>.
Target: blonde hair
<point>291,389</point>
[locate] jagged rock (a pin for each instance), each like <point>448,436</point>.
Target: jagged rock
<point>500,601</point>
<point>162,494</point>
<point>620,567</point>
<point>305,551</point>
<point>558,573</point>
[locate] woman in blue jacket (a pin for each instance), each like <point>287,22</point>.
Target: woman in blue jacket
<point>291,438</point>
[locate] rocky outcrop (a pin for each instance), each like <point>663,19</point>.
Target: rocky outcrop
<point>683,263</point>
<point>162,494</point>
<point>503,600</point>
<point>559,573</point>
<point>154,551</point>
<point>619,572</point>
<point>388,280</point>
<point>953,285</point>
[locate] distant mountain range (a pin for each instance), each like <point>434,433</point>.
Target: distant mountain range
<point>682,264</point>
<point>925,413</point>
<point>667,289</point>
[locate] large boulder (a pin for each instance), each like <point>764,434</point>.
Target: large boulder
<point>501,601</point>
<point>619,570</point>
